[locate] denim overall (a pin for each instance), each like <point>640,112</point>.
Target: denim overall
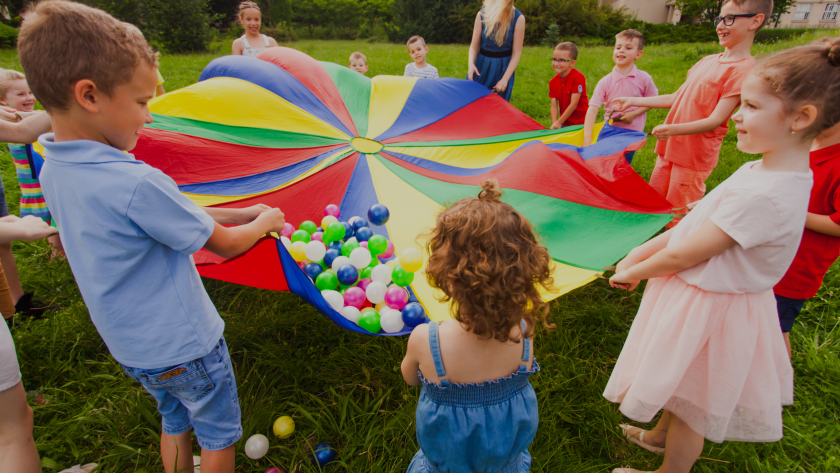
<point>474,427</point>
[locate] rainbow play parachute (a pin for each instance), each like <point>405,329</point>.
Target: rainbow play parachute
<point>288,131</point>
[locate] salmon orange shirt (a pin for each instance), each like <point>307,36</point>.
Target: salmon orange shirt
<point>709,81</point>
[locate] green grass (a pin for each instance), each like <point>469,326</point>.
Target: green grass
<point>347,389</point>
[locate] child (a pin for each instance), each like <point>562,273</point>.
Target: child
<point>129,233</point>
<point>358,62</point>
<point>705,345</point>
<point>496,46</point>
<point>690,140</point>
<point>625,80</point>
<point>417,49</point>
<point>477,410</point>
<point>567,89</point>
<point>250,17</point>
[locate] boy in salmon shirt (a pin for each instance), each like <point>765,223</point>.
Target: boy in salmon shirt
<point>625,80</point>
<point>568,88</point>
<point>690,139</point>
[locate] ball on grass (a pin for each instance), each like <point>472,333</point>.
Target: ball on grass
<point>284,427</point>
<point>256,447</point>
<point>324,454</point>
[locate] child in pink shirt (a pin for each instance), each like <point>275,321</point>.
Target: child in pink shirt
<point>625,80</point>
<point>705,346</point>
<point>690,139</point>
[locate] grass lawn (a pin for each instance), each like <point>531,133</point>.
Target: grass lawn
<point>347,389</point>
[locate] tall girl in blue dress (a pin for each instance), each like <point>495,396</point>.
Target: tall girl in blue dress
<point>496,46</point>
<point>477,411</point>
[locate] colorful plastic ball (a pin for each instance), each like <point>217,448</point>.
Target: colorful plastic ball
<point>349,246</point>
<point>360,257</point>
<point>348,275</point>
<point>348,231</point>
<point>350,312</point>
<point>364,234</point>
<point>368,309</point>
<point>401,277</point>
<point>275,470</point>
<point>358,223</point>
<point>326,281</point>
<point>334,232</point>
<point>301,235</point>
<point>391,320</point>
<point>365,273</point>
<point>375,292</point>
<point>298,251</point>
<point>355,297</point>
<point>363,244</point>
<point>318,236</point>
<point>288,229</point>
<point>389,252</point>
<point>330,256</point>
<point>396,297</point>
<point>411,260</point>
<point>381,273</point>
<point>302,264</point>
<point>313,270</point>
<point>393,263</point>
<point>335,245</point>
<point>327,220</point>
<point>309,226</point>
<point>286,242</point>
<point>339,262</point>
<point>413,314</point>
<point>370,321</point>
<point>377,244</point>
<point>315,250</point>
<point>284,427</point>
<point>324,453</point>
<point>334,299</point>
<point>364,283</point>
<point>256,447</point>
<point>333,210</point>
<point>379,214</point>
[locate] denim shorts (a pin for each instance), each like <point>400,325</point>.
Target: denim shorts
<point>198,395</point>
<point>788,311</point>
<point>4,208</point>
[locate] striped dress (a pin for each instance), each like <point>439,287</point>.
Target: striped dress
<point>28,165</point>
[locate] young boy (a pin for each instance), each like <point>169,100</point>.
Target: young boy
<point>625,80</point>
<point>358,62</point>
<point>567,89</point>
<point>417,49</point>
<point>129,233</point>
<point>689,141</point>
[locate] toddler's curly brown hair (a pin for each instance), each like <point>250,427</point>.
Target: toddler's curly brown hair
<point>485,256</point>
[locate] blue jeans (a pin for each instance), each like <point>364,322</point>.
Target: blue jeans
<point>198,395</point>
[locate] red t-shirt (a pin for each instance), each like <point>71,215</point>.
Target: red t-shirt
<point>561,88</point>
<point>817,251</point>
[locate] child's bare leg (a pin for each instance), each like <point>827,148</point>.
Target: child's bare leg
<point>787,344</point>
<point>177,446</point>
<point>7,260</point>
<point>657,436</point>
<point>55,245</point>
<point>17,447</point>
<point>684,447</point>
<point>218,461</point>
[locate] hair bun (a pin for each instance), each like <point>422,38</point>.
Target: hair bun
<point>832,51</point>
<point>490,190</point>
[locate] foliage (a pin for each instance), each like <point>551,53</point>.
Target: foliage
<point>434,20</point>
<point>282,33</point>
<point>707,10</point>
<point>8,36</point>
<point>552,35</point>
<point>340,16</point>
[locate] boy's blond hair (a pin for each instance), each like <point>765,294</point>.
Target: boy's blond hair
<point>755,6</point>
<point>358,55</point>
<point>61,43</point>
<point>633,34</point>
<point>415,39</point>
<point>7,76</point>
<point>568,46</point>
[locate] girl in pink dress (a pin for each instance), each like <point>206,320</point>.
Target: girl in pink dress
<point>705,346</point>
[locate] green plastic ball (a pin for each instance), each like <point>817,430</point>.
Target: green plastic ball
<point>309,226</point>
<point>377,245</point>
<point>365,274</point>
<point>348,248</point>
<point>301,235</point>
<point>326,281</point>
<point>401,277</point>
<point>370,321</point>
<point>334,232</point>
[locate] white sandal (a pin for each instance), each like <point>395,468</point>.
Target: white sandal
<point>87,468</point>
<point>628,470</point>
<point>639,440</point>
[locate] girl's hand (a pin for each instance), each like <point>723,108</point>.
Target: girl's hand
<point>621,104</point>
<point>33,228</point>
<point>9,114</point>
<point>249,214</point>
<point>472,70</point>
<point>692,205</point>
<point>501,86</point>
<point>555,126</point>
<point>662,132</point>
<point>621,281</point>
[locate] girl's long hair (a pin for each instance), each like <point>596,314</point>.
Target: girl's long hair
<point>497,17</point>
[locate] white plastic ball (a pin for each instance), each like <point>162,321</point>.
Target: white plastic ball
<point>334,299</point>
<point>339,262</point>
<point>375,292</point>
<point>351,313</point>
<point>315,250</point>
<point>352,240</point>
<point>391,320</point>
<point>286,242</point>
<point>256,447</point>
<point>381,273</point>
<point>360,257</point>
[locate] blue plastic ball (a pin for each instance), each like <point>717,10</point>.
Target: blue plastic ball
<point>335,245</point>
<point>313,270</point>
<point>359,223</point>
<point>347,274</point>
<point>319,229</point>
<point>364,234</point>
<point>413,314</point>
<point>348,230</point>
<point>379,214</point>
<point>331,255</point>
<point>324,453</point>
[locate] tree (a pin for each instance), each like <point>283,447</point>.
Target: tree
<point>310,13</point>
<point>431,19</point>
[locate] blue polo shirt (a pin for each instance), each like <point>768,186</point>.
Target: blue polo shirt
<point>129,234</point>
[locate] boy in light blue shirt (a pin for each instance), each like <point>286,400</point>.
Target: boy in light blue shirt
<point>129,233</point>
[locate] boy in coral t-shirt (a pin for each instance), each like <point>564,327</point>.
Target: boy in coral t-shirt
<point>820,245</point>
<point>690,139</point>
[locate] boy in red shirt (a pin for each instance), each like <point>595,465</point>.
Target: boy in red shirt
<point>568,88</point>
<point>690,139</point>
<point>821,241</point>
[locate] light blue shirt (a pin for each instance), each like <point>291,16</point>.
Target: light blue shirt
<point>129,234</point>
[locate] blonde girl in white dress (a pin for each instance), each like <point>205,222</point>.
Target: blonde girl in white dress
<point>252,42</point>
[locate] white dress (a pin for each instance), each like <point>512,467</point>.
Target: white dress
<point>247,50</point>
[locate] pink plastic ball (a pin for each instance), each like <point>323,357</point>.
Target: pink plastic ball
<point>318,236</point>
<point>333,210</point>
<point>301,264</point>
<point>363,283</point>
<point>288,229</point>
<point>275,470</point>
<point>388,252</point>
<point>396,297</point>
<point>354,296</point>
<point>363,244</point>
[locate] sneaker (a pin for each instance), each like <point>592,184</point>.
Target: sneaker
<point>29,307</point>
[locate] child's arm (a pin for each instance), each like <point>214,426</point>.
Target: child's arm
<point>272,43</point>
<point>573,103</point>
<point>237,47</point>
<point>628,117</point>
<point>589,124</point>
<point>229,242</point>
<point>554,111</point>
<point>29,228</point>
<point>27,131</point>
<point>410,366</point>
<point>718,117</point>
<point>236,216</point>
<point>822,224</point>
<point>621,104</point>
<point>708,241</point>
<point>518,40</point>
<point>474,47</point>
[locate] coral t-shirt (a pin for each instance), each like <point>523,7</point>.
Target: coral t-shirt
<point>817,251</point>
<point>709,81</point>
<point>562,88</point>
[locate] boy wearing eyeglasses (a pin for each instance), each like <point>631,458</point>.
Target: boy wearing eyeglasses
<point>567,89</point>
<point>690,139</point>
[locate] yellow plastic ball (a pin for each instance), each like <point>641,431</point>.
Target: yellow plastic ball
<point>284,427</point>
<point>380,306</point>
<point>411,260</point>
<point>298,250</point>
<point>326,221</point>
<point>393,263</point>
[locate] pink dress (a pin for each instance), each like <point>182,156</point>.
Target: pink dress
<point>706,343</point>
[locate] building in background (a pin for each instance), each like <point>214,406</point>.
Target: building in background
<point>811,15</point>
<point>651,11</point>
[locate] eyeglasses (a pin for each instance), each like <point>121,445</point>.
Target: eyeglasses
<point>729,20</point>
<point>562,60</point>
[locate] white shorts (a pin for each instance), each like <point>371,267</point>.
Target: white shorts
<point>9,368</point>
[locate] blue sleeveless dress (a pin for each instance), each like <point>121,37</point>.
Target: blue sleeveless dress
<point>480,428</point>
<point>493,60</point>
